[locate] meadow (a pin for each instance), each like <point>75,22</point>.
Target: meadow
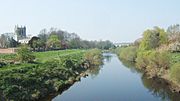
<point>50,72</point>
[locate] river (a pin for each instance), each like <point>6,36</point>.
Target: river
<point>116,81</point>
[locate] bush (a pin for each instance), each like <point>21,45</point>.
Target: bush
<point>93,56</point>
<point>175,72</point>
<point>25,55</point>
<point>159,59</point>
<point>174,47</point>
<point>128,53</point>
<point>29,82</point>
<point>153,59</point>
<point>142,59</point>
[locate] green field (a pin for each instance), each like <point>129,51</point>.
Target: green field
<point>49,73</point>
<point>41,57</point>
<point>46,56</point>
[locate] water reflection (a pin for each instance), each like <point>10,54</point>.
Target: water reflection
<point>131,66</point>
<point>116,82</point>
<point>158,87</point>
<point>107,57</point>
<point>94,71</point>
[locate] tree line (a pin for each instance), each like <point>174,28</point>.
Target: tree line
<point>6,42</point>
<point>56,39</point>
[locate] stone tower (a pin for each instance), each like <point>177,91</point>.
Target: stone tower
<point>20,32</point>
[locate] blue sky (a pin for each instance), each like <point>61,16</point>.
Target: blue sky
<point>115,20</point>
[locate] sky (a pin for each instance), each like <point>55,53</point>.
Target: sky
<point>114,20</point>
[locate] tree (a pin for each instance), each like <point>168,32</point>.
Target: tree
<point>34,42</point>
<point>61,39</point>
<point>3,41</point>
<point>53,42</point>
<point>25,55</point>
<point>104,44</point>
<point>174,33</point>
<point>6,42</point>
<point>75,43</point>
<point>13,43</point>
<point>43,35</point>
<point>153,38</point>
<point>163,38</point>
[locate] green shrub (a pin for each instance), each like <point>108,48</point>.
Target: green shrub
<point>142,59</point>
<point>175,72</point>
<point>25,55</point>
<point>152,59</point>
<point>28,81</point>
<point>128,53</point>
<point>93,56</point>
<point>174,58</point>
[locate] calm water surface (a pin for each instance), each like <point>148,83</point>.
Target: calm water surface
<point>116,81</point>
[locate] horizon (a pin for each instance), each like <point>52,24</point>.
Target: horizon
<point>117,21</point>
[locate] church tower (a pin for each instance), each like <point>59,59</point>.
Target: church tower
<point>20,32</point>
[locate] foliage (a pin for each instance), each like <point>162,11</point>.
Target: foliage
<point>175,72</point>
<point>6,41</point>
<point>25,55</point>
<point>174,47</point>
<point>59,39</point>
<point>157,53</point>
<point>142,59</point>
<point>174,33</point>
<point>132,52</point>
<point>174,58</point>
<point>104,44</point>
<point>94,56</point>
<point>53,42</point>
<point>7,56</point>
<point>75,43</point>
<point>34,42</point>
<point>153,59</point>
<point>28,81</point>
<point>153,38</point>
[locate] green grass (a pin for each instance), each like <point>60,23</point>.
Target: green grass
<point>49,55</point>
<point>175,58</point>
<point>7,56</point>
<point>52,70</point>
<point>29,81</point>
<point>41,57</point>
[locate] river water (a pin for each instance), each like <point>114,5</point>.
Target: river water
<point>116,81</point>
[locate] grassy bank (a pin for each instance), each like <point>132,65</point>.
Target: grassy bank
<point>50,72</point>
<point>157,54</point>
<point>159,64</point>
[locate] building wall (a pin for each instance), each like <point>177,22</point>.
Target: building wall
<point>8,50</point>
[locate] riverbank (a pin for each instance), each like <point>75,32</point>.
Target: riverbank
<point>109,82</point>
<point>157,55</point>
<point>52,71</point>
<point>154,64</point>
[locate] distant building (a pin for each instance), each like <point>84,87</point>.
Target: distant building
<point>20,33</point>
<point>122,44</point>
<point>24,41</point>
